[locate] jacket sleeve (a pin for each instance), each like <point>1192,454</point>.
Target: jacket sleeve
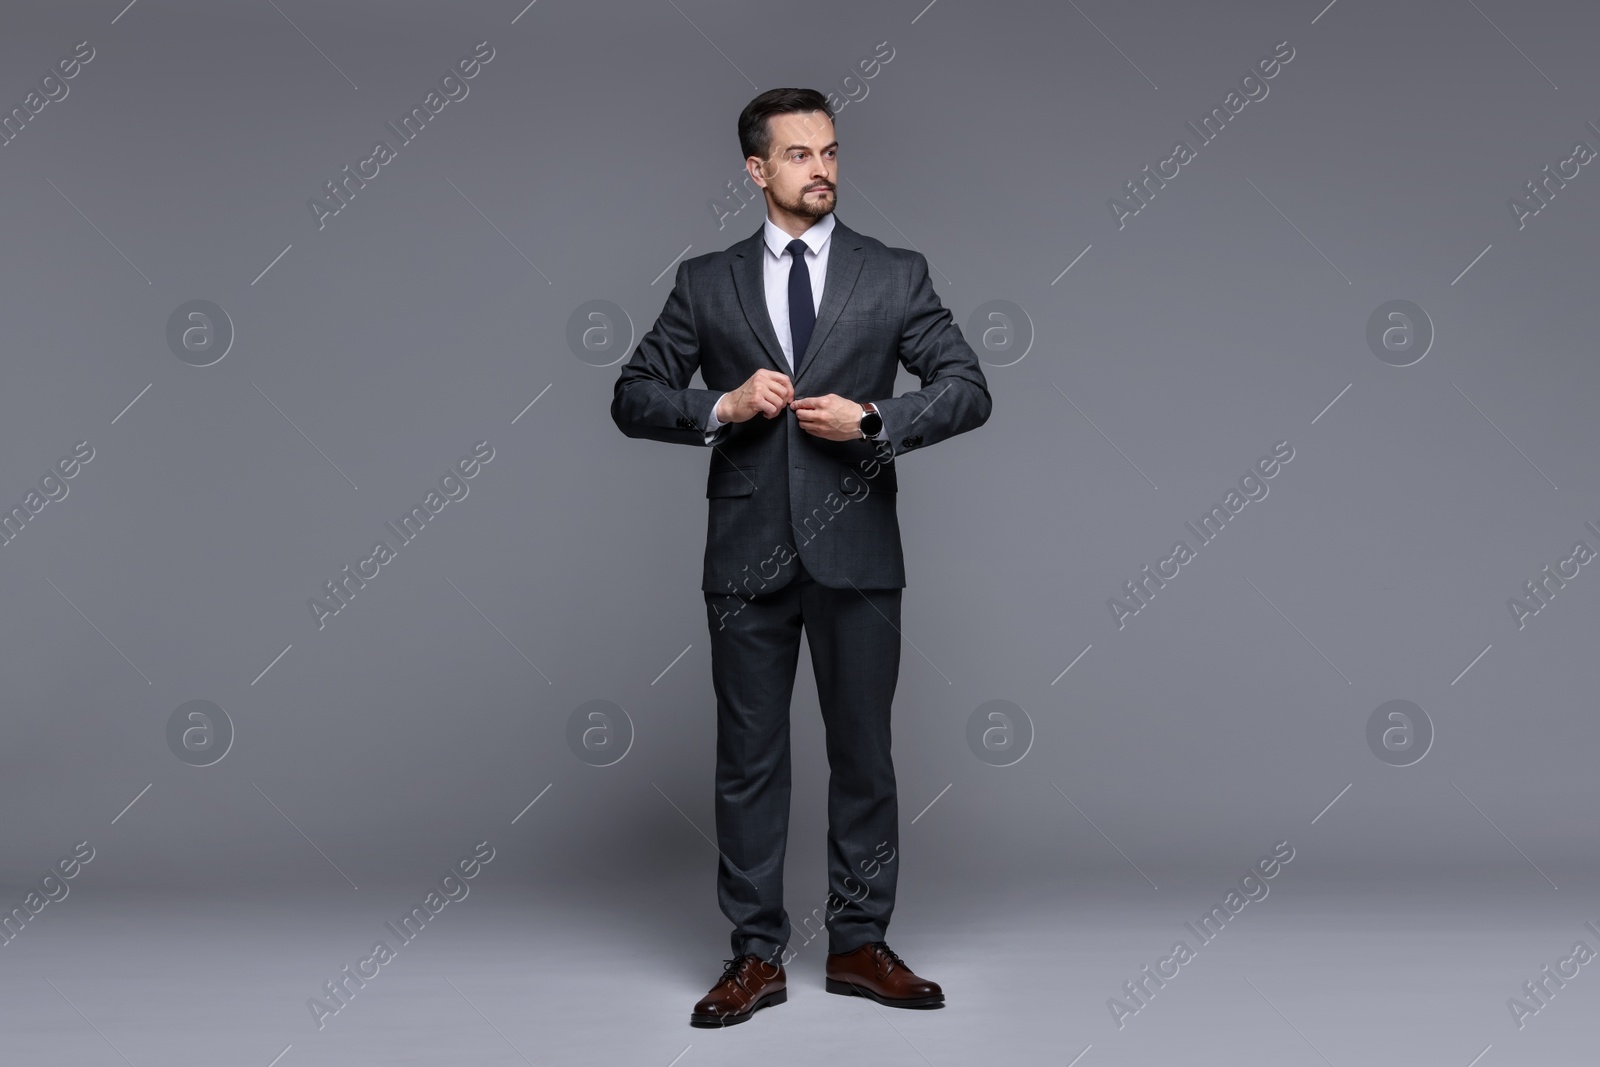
<point>954,397</point>
<point>652,398</point>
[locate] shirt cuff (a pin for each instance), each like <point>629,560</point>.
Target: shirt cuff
<point>714,425</point>
<point>712,422</point>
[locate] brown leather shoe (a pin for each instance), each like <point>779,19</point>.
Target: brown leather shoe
<point>747,985</point>
<point>874,971</point>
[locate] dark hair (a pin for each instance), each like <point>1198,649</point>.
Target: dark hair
<point>755,136</point>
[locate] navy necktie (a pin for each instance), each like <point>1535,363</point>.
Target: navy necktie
<point>802,315</point>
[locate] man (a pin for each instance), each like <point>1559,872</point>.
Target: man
<point>796,331</point>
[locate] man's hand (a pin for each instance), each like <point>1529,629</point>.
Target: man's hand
<point>765,392</point>
<point>831,417</point>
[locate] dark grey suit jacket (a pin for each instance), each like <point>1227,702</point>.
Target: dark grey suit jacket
<point>774,491</point>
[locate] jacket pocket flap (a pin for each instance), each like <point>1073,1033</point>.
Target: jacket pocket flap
<point>730,482</point>
<point>856,483</point>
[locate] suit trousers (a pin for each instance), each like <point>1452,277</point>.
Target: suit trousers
<point>854,637</point>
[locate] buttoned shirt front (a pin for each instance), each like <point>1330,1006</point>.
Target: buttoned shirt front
<point>775,267</point>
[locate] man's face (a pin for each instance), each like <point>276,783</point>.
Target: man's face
<point>802,173</point>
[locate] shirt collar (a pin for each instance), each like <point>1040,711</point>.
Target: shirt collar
<point>778,241</point>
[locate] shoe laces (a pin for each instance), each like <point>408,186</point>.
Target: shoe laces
<point>736,969</point>
<point>889,953</point>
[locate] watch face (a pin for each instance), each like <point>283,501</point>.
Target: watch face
<point>871,423</point>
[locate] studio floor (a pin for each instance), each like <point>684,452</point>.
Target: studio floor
<point>1409,973</point>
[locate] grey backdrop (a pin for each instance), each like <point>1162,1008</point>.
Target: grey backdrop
<point>1131,392</point>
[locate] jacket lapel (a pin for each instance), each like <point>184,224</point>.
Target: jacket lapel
<point>844,267</point>
<point>750,286</point>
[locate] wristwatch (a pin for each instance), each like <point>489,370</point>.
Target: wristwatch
<point>871,421</point>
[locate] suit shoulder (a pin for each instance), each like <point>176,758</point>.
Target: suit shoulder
<point>903,261</point>
<point>708,263</point>
<point>874,247</point>
<point>697,266</point>
<point>869,241</point>
<point>705,259</point>
<point>904,258</point>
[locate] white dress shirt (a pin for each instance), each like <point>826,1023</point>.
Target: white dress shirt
<point>775,269</point>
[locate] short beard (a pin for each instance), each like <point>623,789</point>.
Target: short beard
<point>809,209</point>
